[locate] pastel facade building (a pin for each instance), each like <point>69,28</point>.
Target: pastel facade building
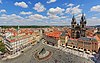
<point>84,44</point>
<point>88,44</point>
<point>17,43</point>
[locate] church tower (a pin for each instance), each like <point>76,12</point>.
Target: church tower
<point>77,30</point>
<point>73,25</point>
<point>83,26</point>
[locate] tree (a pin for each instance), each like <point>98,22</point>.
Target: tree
<point>2,46</point>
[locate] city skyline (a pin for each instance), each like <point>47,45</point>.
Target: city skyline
<point>48,12</point>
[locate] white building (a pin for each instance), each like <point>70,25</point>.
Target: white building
<point>8,34</point>
<point>18,43</point>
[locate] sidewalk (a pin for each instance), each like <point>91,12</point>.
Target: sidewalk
<point>14,55</point>
<point>25,49</point>
<point>18,53</point>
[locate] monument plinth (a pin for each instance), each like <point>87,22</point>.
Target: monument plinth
<point>43,54</point>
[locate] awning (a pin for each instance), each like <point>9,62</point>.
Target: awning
<point>76,48</point>
<point>94,53</point>
<point>69,47</point>
<point>88,52</point>
<point>81,50</point>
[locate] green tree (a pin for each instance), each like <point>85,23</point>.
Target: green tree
<point>2,47</point>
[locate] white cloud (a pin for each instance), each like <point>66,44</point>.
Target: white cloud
<point>70,4</point>
<point>53,17</point>
<point>55,11</point>
<point>59,22</point>
<point>79,15</point>
<point>2,11</point>
<point>36,17</point>
<point>14,19</point>
<point>96,8</point>
<point>10,19</point>
<point>64,17</point>
<point>93,21</point>
<point>68,10</point>
<point>51,1</point>
<point>25,13</point>
<point>74,10</point>
<point>0,1</point>
<point>39,7</point>
<point>21,4</point>
<point>17,18</point>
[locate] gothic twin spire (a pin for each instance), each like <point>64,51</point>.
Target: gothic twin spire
<point>83,20</point>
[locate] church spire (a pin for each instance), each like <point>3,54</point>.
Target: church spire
<point>83,20</point>
<point>73,18</point>
<point>83,17</point>
<point>73,23</point>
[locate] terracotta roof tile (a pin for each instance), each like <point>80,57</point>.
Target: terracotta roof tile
<point>54,34</point>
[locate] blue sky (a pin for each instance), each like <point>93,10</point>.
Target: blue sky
<point>48,12</point>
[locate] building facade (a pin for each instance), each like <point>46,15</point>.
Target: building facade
<point>77,30</point>
<point>16,44</point>
<point>84,44</point>
<point>56,38</point>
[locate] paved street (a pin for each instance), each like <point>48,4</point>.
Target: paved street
<point>57,57</point>
<point>81,54</point>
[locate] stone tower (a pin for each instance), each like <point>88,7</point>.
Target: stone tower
<point>83,26</point>
<point>77,30</point>
<point>73,25</point>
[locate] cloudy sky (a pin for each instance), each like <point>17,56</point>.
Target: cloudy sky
<point>48,12</point>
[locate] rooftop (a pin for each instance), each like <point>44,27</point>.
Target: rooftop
<point>63,33</point>
<point>88,39</point>
<point>55,34</point>
<point>17,38</point>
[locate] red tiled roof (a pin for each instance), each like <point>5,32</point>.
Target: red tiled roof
<point>17,39</point>
<point>55,34</point>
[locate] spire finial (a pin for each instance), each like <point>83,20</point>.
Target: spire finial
<point>73,16</point>
<point>83,17</point>
<point>82,14</point>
